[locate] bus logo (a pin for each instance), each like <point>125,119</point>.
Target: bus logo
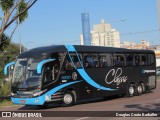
<point>116,75</point>
<point>74,75</point>
<point>148,71</point>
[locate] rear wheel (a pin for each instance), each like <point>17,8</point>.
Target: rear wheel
<point>139,89</point>
<point>143,86</point>
<point>131,90</point>
<point>69,98</point>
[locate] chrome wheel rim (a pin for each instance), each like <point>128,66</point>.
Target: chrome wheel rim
<point>131,90</point>
<point>139,89</point>
<point>67,99</point>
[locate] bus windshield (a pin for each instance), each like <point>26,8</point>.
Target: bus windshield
<point>25,74</point>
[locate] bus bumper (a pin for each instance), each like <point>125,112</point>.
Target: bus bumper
<point>29,101</point>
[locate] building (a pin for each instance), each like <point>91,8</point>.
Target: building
<point>156,49</point>
<point>86,28</point>
<point>131,45</point>
<point>103,35</point>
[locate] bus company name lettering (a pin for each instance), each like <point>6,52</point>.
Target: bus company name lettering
<point>117,76</point>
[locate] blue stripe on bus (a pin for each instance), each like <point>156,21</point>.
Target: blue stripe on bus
<point>85,76</point>
<point>70,48</point>
<point>83,73</point>
<point>40,65</point>
<point>41,99</point>
<point>9,64</point>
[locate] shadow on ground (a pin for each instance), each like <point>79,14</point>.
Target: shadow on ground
<point>56,105</point>
<point>149,107</point>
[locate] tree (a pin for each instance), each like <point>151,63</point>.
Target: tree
<point>9,54</point>
<point>5,40</point>
<point>14,11</point>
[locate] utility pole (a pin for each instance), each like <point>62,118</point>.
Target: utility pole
<point>158,6</point>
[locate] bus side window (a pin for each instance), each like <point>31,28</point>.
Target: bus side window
<point>137,60</point>
<point>88,61</point>
<point>102,60</point>
<point>76,59</point>
<point>151,59</point>
<point>129,60</point>
<point>91,60</point>
<point>105,60</point>
<point>47,73</point>
<point>143,60</point>
<point>119,60</point>
<point>68,64</point>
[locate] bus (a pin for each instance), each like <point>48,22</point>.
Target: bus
<point>68,73</point>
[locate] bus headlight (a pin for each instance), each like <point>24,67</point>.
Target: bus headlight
<point>38,93</point>
<point>12,94</point>
<point>47,97</point>
<point>37,100</point>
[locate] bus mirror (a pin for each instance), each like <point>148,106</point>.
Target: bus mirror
<point>6,67</point>
<point>40,65</point>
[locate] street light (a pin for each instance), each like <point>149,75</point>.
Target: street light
<point>123,19</point>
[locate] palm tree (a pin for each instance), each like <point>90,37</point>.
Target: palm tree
<point>13,10</point>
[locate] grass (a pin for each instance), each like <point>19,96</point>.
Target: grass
<point>5,103</point>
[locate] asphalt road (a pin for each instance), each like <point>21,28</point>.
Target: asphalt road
<point>145,102</point>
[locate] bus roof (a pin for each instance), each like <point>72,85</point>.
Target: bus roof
<point>109,49</point>
<point>80,48</point>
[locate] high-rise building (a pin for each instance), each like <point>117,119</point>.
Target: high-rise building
<point>103,35</point>
<point>86,28</point>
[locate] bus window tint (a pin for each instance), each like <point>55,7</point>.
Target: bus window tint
<point>61,57</point>
<point>49,72</point>
<point>105,60</point>
<point>68,63</point>
<point>76,60</point>
<point>90,60</point>
<point>129,60</point>
<point>137,60</point>
<point>119,60</point>
<point>143,60</point>
<point>151,59</point>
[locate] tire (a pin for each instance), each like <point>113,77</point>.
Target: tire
<point>139,89</point>
<point>143,86</point>
<point>69,98</point>
<point>131,90</point>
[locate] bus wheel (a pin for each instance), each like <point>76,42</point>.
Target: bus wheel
<point>139,89</point>
<point>68,99</point>
<point>143,87</point>
<point>131,90</point>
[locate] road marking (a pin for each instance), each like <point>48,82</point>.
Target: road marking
<point>82,118</point>
<point>157,100</point>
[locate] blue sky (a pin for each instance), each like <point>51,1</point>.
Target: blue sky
<point>59,21</point>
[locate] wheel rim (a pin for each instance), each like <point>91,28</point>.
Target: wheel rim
<point>131,90</point>
<point>139,89</point>
<point>67,99</point>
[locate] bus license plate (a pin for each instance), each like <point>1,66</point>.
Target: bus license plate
<point>23,101</point>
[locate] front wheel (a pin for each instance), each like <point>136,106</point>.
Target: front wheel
<point>69,99</point>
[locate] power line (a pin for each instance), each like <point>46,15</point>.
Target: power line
<point>141,32</point>
<point>122,34</point>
